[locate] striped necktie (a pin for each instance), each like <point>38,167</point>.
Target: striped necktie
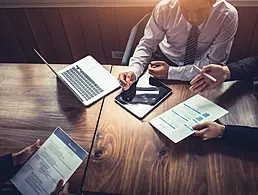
<point>190,51</point>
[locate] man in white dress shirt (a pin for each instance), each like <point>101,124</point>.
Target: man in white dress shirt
<point>180,34</point>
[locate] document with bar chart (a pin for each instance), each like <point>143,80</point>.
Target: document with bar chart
<point>177,122</point>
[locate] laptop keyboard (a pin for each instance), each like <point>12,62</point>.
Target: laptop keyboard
<point>82,82</point>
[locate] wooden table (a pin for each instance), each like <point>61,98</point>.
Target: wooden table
<point>131,157</point>
<point>33,103</point>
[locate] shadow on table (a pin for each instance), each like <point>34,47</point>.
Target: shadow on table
<point>219,146</point>
<point>98,193</point>
<point>233,93</point>
<point>70,105</point>
<point>195,147</point>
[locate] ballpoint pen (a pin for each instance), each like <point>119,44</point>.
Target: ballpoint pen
<point>206,74</point>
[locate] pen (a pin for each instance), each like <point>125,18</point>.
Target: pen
<point>205,74</point>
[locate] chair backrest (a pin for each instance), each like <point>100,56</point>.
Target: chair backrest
<point>134,38</point>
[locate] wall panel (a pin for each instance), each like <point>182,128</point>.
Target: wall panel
<point>127,17</point>
<point>247,20</point>
<point>23,32</point>
<point>139,12</point>
<point>74,33</point>
<point>41,34</point>
<point>109,32</point>
<point>253,49</point>
<point>91,31</point>
<point>10,49</point>
<point>58,35</point>
<point>64,35</point>
<point>125,22</point>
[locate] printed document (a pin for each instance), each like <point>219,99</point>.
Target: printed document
<point>177,122</point>
<point>56,159</point>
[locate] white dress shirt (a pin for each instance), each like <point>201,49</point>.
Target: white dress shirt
<point>168,28</point>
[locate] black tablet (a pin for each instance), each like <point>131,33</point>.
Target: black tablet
<point>147,94</point>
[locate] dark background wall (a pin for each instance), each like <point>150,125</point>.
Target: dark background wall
<point>64,35</point>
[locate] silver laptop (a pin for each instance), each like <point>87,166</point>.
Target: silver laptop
<point>87,79</point>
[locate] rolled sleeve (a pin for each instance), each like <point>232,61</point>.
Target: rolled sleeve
<point>153,35</point>
<point>182,73</point>
<point>186,73</point>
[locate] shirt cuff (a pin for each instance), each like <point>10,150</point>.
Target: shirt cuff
<point>173,73</point>
<point>136,71</point>
<point>182,73</point>
<point>233,70</point>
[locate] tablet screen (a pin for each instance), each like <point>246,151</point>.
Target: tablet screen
<point>149,93</point>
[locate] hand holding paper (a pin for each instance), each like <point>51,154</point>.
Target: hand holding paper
<point>60,189</point>
<point>208,130</point>
<point>56,159</point>
<point>177,122</point>
<point>22,156</point>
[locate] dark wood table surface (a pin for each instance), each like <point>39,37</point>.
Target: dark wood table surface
<point>33,103</point>
<point>131,157</point>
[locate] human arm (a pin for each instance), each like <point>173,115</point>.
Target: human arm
<point>8,162</point>
<point>241,135</point>
<point>126,79</point>
<point>244,69</point>
<point>60,189</point>
<point>233,134</point>
<point>153,34</point>
<point>200,82</point>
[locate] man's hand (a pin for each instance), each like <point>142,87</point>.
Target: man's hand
<point>60,189</point>
<point>208,130</point>
<point>22,156</point>
<point>158,69</point>
<point>201,82</point>
<point>126,79</point>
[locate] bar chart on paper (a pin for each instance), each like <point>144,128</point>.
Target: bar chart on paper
<point>177,122</point>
